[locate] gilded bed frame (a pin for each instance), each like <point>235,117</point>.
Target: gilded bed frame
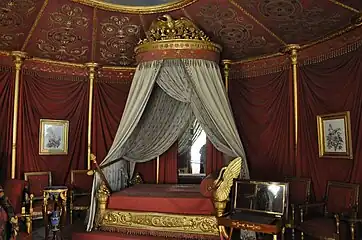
<point>166,225</point>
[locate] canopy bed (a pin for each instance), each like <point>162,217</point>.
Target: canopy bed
<point>177,79</point>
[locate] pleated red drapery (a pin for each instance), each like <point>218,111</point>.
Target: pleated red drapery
<point>262,108</point>
<point>108,104</point>
<point>214,158</point>
<point>168,165</point>
<point>329,87</point>
<point>51,96</point>
<point>7,77</point>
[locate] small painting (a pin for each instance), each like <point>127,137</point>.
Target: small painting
<point>53,139</point>
<point>334,135</point>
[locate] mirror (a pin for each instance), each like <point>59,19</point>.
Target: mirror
<point>267,197</point>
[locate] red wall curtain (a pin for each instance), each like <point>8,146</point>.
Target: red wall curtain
<point>147,170</point>
<point>168,165</point>
<point>263,113</point>
<point>6,119</point>
<point>48,96</point>
<point>214,158</point>
<point>108,105</point>
<point>329,87</point>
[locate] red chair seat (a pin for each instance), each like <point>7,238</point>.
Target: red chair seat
<point>319,227</point>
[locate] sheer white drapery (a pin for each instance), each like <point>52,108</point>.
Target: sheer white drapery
<point>195,87</point>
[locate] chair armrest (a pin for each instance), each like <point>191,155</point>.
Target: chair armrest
<point>312,205</point>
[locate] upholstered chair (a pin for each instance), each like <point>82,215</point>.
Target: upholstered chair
<point>16,192</point>
<point>299,195</point>
<point>80,191</point>
<point>339,213</point>
<point>37,181</point>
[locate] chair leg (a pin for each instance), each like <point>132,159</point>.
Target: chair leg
<point>29,224</point>
<point>71,215</point>
<point>352,231</point>
<point>302,235</point>
<point>293,233</point>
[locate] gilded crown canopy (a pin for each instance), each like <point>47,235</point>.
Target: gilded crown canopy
<point>175,39</point>
<point>165,28</point>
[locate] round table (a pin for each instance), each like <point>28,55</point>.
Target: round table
<point>55,210</point>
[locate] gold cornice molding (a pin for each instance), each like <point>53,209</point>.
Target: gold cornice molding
<point>259,23</point>
<point>4,53</point>
<point>136,9</point>
<point>116,68</point>
<point>40,14</point>
<point>344,6</point>
<point>257,58</point>
<point>59,63</point>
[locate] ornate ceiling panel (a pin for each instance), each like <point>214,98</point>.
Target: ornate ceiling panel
<point>16,20</point>
<point>117,35</point>
<point>64,32</point>
<point>90,30</point>
<point>298,21</point>
<point>240,36</point>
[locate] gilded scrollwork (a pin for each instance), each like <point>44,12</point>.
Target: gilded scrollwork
<point>197,224</point>
<point>12,19</point>
<point>119,37</point>
<point>63,41</point>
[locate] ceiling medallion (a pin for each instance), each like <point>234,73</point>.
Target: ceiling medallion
<point>137,6</point>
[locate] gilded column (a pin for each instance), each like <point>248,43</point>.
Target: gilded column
<point>18,61</point>
<point>226,64</point>
<point>292,49</point>
<point>92,70</point>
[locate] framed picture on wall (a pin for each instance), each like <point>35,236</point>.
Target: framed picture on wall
<point>334,135</point>
<point>53,137</point>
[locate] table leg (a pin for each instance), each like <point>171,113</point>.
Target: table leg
<point>352,231</point>
<point>275,237</point>
<point>230,233</point>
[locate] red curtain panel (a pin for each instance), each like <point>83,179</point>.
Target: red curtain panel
<point>108,105</point>
<point>329,87</point>
<point>7,78</point>
<point>214,158</point>
<point>262,108</point>
<point>168,165</point>
<point>52,96</point>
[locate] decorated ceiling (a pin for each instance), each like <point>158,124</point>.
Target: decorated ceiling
<point>106,31</point>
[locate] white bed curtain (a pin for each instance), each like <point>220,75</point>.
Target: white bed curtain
<point>194,88</point>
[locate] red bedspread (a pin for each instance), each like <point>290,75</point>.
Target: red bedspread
<point>162,198</point>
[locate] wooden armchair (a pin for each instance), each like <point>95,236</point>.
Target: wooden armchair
<point>22,203</point>
<point>80,191</point>
<point>340,205</point>
<point>37,181</point>
<point>299,195</point>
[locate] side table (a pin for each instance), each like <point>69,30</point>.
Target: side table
<point>55,203</point>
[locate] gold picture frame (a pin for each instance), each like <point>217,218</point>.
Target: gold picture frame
<point>53,137</point>
<point>334,135</point>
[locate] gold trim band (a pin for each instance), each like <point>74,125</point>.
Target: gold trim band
<point>178,44</point>
<point>137,9</point>
<point>162,222</point>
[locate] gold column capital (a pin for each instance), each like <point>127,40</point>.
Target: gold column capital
<point>226,64</point>
<point>292,50</point>
<point>91,66</point>
<point>18,58</point>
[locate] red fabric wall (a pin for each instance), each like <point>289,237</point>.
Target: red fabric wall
<point>108,105</point>
<point>329,87</point>
<point>262,108</point>
<point>6,117</point>
<point>48,96</point>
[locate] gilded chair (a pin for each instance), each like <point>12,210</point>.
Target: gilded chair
<point>37,181</point>
<point>80,191</point>
<point>16,192</point>
<point>299,194</point>
<point>339,213</point>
